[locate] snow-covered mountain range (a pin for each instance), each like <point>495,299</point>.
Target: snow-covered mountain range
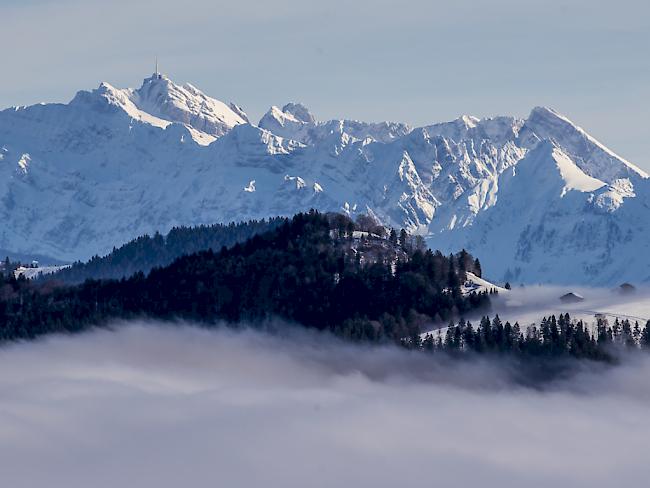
<point>537,199</point>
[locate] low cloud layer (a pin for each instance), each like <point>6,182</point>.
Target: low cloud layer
<point>154,406</point>
<point>528,305</point>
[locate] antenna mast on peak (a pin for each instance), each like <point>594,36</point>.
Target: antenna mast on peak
<point>156,73</point>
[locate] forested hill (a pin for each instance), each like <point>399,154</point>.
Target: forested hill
<point>321,271</point>
<point>147,252</point>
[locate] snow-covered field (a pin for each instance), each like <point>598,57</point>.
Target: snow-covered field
<point>528,305</point>
<point>31,273</point>
<point>478,285</point>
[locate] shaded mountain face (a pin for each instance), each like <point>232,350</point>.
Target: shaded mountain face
<point>537,199</point>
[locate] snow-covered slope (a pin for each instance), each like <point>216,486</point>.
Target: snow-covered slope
<point>31,273</point>
<point>589,155</point>
<point>554,223</point>
<point>186,104</point>
<point>475,284</point>
<point>536,199</point>
<point>160,102</point>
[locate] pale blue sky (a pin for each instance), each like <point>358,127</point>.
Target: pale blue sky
<point>415,61</point>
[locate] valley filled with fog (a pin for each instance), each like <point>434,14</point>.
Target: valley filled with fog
<point>150,405</point>
<point>339,244</point>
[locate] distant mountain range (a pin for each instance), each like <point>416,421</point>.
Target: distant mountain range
<point>537,200</point>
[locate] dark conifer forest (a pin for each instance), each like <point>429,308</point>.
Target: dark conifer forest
<point>357,280</point>
<point>319,271</point>
<point>554,337</point>
<point>147,252</point>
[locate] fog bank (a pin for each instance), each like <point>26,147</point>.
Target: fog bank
<point>529,304</point>
<point>154,406</point>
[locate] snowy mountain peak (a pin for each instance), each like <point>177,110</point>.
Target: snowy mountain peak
<point>106,88</point>
<point>290,116</point>
<point>160,102</point>
<point>469,121</point>
<point>541,112</point>
<point>293,121</point>
<point>299,112</point>
<point>590,156</point>
<point>186,104</point>
<point>535,199</point>
<point>105,93</point>
<point>108,99</point>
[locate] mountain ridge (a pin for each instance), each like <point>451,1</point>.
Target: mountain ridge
<point>78,178</point>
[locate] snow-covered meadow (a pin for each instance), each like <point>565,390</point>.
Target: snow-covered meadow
<point>527,305</point>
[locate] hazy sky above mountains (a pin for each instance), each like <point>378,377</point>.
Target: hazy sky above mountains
<point>418,61</point>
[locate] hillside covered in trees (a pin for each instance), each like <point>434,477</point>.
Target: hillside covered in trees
<point>147,252</point>
<point>316,270</point>
<point>551,338</point>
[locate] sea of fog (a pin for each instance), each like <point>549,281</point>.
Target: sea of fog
<point>528,305</point>
<point>147,405</point>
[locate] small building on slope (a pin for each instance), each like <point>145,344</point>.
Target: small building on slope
<point>571,297</point>
<point>626,289</point>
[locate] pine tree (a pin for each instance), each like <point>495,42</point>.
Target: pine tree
<point>453,280</point>
<point>628,339</point>
<point>393,237</point>
<point>349,229</point>
<point>477,268</point>
<point>636,333</point>
<point>420,243</point>
<point>507,337</point>
<point>449,337</point>
<point>498,333</point>
<point>645,336</point>
<point>468,336</point>
<point>517,338</point>
<point>485,334</point>
<point>601,330</point>
<point>616,330</point>
<point>428,343</point>
<point>415,340</point>
<point>457,339</point>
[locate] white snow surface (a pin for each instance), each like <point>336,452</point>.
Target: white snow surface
<point>536,199</point>
<point>31,273</point>
<point>528,305</point>
<point>475,284</point>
